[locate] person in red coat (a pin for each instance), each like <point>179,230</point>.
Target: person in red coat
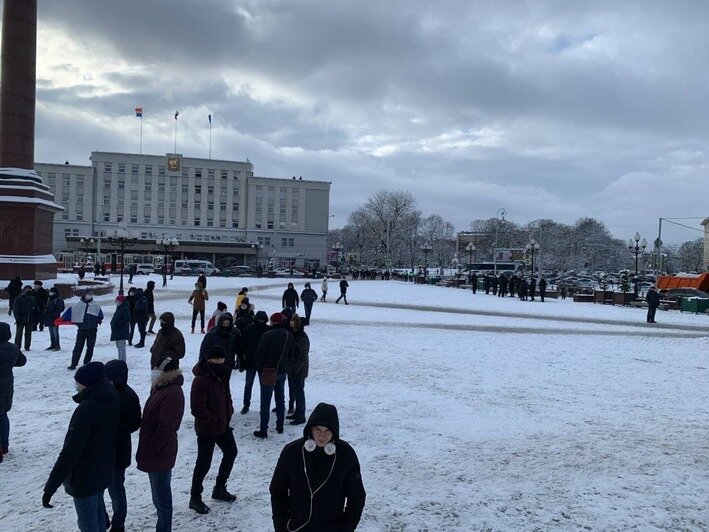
<point>157,443</point>
<point>212,408</point>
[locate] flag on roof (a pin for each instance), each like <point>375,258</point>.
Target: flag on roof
<point>210,118</point>
<point>139,112</point>
<point>177,113</point>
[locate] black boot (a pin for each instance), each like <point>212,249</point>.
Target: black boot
<point>261,434</point>
<point>221,494</point>
<point>198,506</point>
<point>244,410</point>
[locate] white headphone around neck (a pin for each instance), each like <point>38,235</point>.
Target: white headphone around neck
<point>329,449</point>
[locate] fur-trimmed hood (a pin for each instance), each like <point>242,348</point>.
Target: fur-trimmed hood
<point>169,377</point>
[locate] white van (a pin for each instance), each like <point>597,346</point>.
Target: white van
<point>191,267</point>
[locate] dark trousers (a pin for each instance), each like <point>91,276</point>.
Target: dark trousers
<point>161,490</point>
<point>324,295</point>
<point>201,317</point>
<point>152,321</point>
<point>291,394</point>
<point>27,329</point>
<point>651,314</point>
<point>297,386</point>
<point>117,491</point>
<point>53,336</point>
<point>141,330</point>
<point>90,513</point>
<point>542,293</point>
<point>205,451</point>
<point>308,310</point>
<point>131,332</point>
<point>4,431</point>
<point>248,386</point>
<point>342,295</point>
<point>83,336</point>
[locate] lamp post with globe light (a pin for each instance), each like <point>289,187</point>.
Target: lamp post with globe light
<point>166,246</point>
<point>426,249</point>
<point>636,247</point>
<point>530,249</point>
<point>122,239</point>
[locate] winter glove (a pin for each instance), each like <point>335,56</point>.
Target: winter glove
<point>46,497</point>
<point>241,370</point>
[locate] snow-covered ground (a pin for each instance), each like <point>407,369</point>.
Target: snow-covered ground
<point>467,413</point>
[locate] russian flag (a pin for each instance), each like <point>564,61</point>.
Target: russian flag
<point>139,112</point>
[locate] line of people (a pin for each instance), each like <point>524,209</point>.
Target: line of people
<point>108,412</point>
<point>503,285</point>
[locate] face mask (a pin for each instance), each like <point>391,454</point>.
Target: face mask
<point>88,299</point>
<point>155,375</point>
<point>77,386</point>
<point>163,324</point>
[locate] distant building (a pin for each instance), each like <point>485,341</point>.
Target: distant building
<point>705,223</point>
<point>217,210</point>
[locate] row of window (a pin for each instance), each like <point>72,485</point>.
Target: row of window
<point>148,169</point>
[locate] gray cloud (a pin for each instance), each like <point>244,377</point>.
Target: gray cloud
<point>552,109</point>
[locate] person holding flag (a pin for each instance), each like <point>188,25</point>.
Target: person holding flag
<point>87,316</point>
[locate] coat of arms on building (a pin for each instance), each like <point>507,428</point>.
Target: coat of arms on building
<point>173,162</point>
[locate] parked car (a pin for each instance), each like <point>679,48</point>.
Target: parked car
<point>239,271</point>
<point>144,269</point>
<point>675,294</point>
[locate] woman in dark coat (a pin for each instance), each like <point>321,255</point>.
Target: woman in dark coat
<point>169,340</point>
<point>10,357</point>
<point>54,309</point>
<point>317,482</point>
<point>116,371</point>
<point>157,443</point>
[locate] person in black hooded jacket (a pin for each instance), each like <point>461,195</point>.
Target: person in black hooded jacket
<point>250,340</point>
<point>13,289</point>
<point>290,298</point>
<point>150,298</point>
<point>140,315</point>
<point>116,371</point>
<point>85,463</point>
<point>330,495</point>
<point>223,334</point>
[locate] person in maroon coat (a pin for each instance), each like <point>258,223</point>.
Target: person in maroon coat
<point>157,443</point>
<point>212,408</point>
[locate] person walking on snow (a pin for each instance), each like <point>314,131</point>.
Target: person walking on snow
<point>212,408</point>
<point>169,341</point>
<point>10,357</point>
<point>85,463</point>
<point>150,297</point>
<point>120,326</point>
<point>250,340</point>
<point>13,289</point>
<point>542,288</point>
<point>308,296</point>
<point>198,300</point>
<point>653,301</point>
<point>317,484</point>
<point>243,293</point>
<point>343,290</point>
<point>290,298</point>
<point>41,296</point>
<point>87,315</point>
<point>323,289</point>
<point>298,370</point>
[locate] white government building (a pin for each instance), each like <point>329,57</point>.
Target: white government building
<point>217,210</point>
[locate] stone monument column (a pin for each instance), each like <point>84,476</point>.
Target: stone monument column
<point>27,206</point>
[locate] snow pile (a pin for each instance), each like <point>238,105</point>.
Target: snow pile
<point>467,412</point>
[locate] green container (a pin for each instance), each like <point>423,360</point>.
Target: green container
<point>694,305</point>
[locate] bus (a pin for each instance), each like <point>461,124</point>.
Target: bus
<point>194,266</point>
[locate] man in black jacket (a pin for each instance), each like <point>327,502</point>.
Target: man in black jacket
<point>653,301</point>
<point>330,495</point>
<point>542,288</point>
<point>249,344</point>
<point>474,282</point>
<point>25,312</point>
<point>85,463</point>
<point>308,296</point>
<point>41,296</point>
<point>343,290</point>
<point>116,371</point>
<point>150,297</point>
<point>272,356</point>
<point>290,298</point>
<point>13,289</point>
<point>225,335</point>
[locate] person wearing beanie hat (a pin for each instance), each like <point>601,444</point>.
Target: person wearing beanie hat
<point>41,296</point>
<point>169,340</point>
<point>287,314</point>
<point>52,312</point>
<point>212,408</point>
<point>221,310</point>
<point>225,335</point>
<point>244,315</point>
<point>272,358</point>
<point>343,290</point>
<point>157,442</point>
<point>87,315</point>
<point>120,326</point>
<point>290,298</point>
<point>24,310</point>
<point>198,300</point>
<point>250,339</point>
<point>308,296</point>
<point>319,462</point>
<point>240,296</point>
<point>85,464</point>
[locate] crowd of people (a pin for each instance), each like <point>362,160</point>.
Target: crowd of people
<point>316,483</point>
<point>513,285</point>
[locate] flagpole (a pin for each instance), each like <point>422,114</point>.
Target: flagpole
<point>175,151</point>
<point>141,134</point>
<point>210,139</point>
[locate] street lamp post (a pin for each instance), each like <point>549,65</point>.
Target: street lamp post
<point>530,249</point>
<point>636,247</point>
<point>425,248</point>
<point>86,245</point>
<point>499,217</point>
<point>470,248</point>
<point>122,239</point>
<point>166,246</point>
<point>337,248</point>
<point>257,246</point>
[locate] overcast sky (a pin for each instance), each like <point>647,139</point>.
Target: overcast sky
<point>549,109</point>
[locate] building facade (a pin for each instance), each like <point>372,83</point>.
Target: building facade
<point>217,210</point>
